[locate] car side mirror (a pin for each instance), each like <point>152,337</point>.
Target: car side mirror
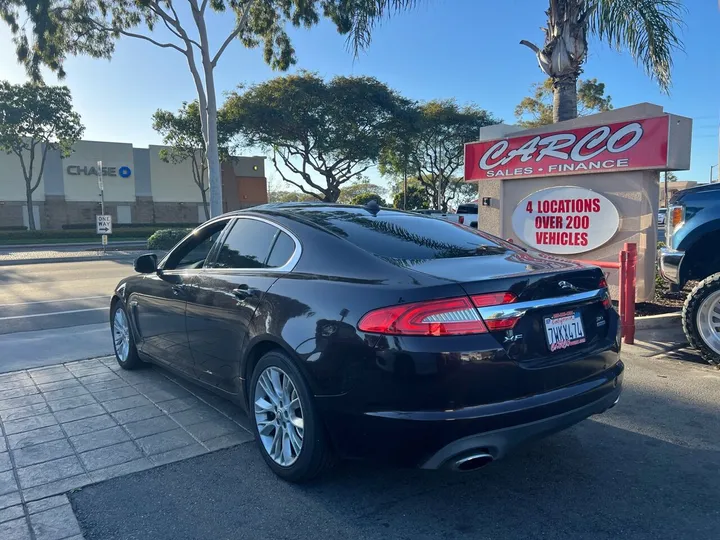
<point>146,264</point>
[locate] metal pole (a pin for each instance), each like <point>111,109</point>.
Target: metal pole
<point>666,191</point>
<point>405,185</point>
<point>102,195</point>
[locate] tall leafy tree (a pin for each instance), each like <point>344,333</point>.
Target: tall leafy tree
<point>537,110</point>
<point>56,29</point>
<point>431,147</point>
<point>363,188</point>
<point>182,133</point>
<point>35,119</point>
<point>322,135</point>
<point>647,29</point>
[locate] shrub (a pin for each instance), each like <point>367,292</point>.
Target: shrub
<point>156,226</point>
<point>73,234</point>
<point>166,238</point>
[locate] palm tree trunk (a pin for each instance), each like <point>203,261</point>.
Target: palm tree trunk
<point>564,99</point>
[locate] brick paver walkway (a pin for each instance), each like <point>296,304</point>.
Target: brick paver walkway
<point>74,424</point>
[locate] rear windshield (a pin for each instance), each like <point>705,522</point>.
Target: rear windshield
<point>396,235</point>
<point>467,209</point>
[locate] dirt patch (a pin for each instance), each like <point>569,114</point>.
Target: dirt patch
<point>665,301</point>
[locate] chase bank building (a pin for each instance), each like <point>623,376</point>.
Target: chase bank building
<point>139,187</point>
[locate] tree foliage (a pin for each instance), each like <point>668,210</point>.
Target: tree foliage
<point>364,198</point>
<point>33,120</point>
<point>537,110</point>
<point>322,135</point>
<point>182,133</point>
<point>647,29</point>
<point>352,191</point>
<point>417,198</point>
<point>430,146</point>
<point>56,29</point>
<point>283,196</point>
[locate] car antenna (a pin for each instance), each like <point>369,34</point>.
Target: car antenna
<point>373,207</point>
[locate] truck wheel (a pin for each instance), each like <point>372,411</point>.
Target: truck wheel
<point>701,318</point>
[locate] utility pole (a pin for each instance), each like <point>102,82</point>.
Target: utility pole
<point>405,183</point>
<point>711,168</point>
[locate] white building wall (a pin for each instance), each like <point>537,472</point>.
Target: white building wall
<point>81,186</point>
<point>12,182</point>
<point>172,182</point>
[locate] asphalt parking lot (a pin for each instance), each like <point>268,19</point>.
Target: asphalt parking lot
<point>648,469</point>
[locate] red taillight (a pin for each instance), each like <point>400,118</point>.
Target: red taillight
<point>461,220</point>
<point>493,299</point>
<point>607,304</point>
<point>449,317</point>
<point>603,283</point>
<point>454,316</point>
<point>496,299</point>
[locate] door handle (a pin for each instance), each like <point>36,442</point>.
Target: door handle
<point>242,292</point>
<point>178,289</point>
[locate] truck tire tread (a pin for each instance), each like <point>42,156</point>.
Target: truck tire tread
<point>689,317</point>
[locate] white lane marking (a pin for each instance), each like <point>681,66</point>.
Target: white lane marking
<point>52,313</point>
<point>107,296</point>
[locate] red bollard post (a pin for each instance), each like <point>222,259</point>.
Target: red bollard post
<point>631,250</point>
<point>622,287</point>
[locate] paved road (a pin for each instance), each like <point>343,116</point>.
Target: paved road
<point>56,312</point>
<point>648,469</point>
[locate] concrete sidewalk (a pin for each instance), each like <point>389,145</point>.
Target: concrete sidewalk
<point>75,424</point>
<point>16,256</point>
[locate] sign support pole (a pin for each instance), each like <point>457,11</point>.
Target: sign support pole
<point>102,194</point>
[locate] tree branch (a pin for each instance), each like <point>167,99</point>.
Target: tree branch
<point>42,168</point>
<point>530,45</point>
<point>241,24</point>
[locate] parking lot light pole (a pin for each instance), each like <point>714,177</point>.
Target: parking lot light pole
<point>711,168</point>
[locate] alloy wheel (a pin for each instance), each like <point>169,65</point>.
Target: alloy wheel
<point>708,321</point>
<point>279,416</point>
<point>121,335</point>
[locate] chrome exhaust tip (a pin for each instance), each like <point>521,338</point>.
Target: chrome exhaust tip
<point>472,462</point>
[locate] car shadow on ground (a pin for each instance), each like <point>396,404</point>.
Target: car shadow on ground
<point>648,469</point>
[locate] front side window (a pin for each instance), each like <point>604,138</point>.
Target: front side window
<point>192,253</point>
<point>254,244</point>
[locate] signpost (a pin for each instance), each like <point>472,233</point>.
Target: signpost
<point>565,220</point>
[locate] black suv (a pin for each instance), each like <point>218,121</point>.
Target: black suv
<point>692,235</point>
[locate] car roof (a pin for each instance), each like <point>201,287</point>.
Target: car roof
<point>292,209</point>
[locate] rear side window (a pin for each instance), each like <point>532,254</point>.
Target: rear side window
<point>282,251</point>
<point>396,235</point>
<point>247,245</point>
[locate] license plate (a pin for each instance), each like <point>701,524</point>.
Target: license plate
<point>564,330</point>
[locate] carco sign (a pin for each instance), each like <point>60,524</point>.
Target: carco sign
<point>565,220</point>
<point>631,145</point>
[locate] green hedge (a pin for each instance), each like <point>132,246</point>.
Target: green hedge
<point>14,228</point>
<point>166,238</point>
<point>155,226</point>
<point>118,232</point>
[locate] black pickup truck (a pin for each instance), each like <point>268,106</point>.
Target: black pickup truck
<point>692,252</point>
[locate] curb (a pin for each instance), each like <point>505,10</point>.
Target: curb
<point>658,322</point>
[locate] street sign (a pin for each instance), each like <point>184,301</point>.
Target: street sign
<point>103,224</point>
<point>104,239</point>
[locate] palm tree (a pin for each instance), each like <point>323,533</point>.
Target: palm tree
<point>645,28</point>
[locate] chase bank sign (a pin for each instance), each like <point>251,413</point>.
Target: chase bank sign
<point>77,170</point>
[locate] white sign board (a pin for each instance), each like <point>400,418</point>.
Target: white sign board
<point>565,220</point>
<point>103,224</point>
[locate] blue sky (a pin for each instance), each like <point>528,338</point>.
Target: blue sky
<point>462,49</point>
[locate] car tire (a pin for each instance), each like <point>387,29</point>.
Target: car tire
<point>315,454</point>
<point>694,316</point>
<point>123,341</point>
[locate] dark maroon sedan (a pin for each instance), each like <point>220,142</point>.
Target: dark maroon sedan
<point>373,333</point>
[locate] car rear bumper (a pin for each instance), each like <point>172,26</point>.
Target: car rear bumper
<point>670,261</point>
<point>436,439</point>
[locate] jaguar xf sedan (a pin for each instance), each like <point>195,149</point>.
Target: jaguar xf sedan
<point>365,332</point>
